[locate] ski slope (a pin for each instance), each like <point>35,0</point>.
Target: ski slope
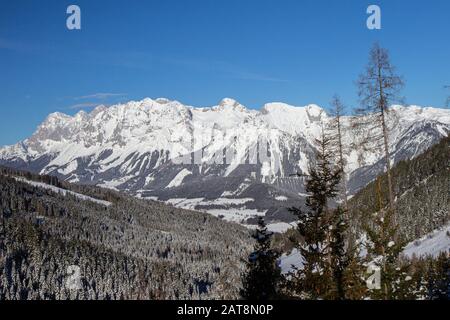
<point>64,192</point>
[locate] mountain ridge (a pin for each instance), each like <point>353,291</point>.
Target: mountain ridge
<point>165,150</point>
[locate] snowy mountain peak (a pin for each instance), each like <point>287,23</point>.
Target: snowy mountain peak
<point>303,121</point>
<point>98,109</point>
<point>162,100</point>
<point>418,113</point>
<point>56,117</point>
<point>276,107</point>
<point>81,115</point>
<point>146,101</point>
<point>315,112</point>
<point>312,110</point>
<point>228,103</point>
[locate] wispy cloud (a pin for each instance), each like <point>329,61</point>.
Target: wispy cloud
<point>225,68</point>
<point>83,105</point>
<point>95,99</point>
<point>101,96</point>
<point>15,45</point>
<point>139,60</point>
<point>256,77</point>
<point>447,103</point>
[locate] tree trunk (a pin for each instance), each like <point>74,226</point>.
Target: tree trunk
<point>388,162</point>
<point>385,141</point>
<point>341,163</point>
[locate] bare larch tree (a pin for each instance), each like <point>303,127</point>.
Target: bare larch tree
<point>336,127</point>
<point>379,88</point>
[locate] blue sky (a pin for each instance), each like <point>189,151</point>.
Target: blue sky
<point>199,51</point>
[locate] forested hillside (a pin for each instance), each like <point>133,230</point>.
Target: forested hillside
<point>131,249</point>
<point>422,189</point>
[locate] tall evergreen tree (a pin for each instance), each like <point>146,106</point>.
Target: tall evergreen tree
<point>346,263</point>
<point>354,277</point>
<point>339,255</point>
<point>336,129</point>
<point>384,247</point>
<point>314,280</point>
<point>261,281</point>
<point>439,278</point>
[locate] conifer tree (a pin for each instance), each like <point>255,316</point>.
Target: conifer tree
<point>354,280</point>
<point>439,278</point>
<point>314,280</point>
<point>384,247</point>
<point>339,259</point>
<point>261,281</point>
<point>346,263</point>
<point>336,128</point>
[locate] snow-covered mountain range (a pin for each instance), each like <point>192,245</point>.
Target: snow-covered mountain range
<point>204,158</point>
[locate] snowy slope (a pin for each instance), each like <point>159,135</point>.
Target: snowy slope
<point>430,245</point>
<point>290,262</point>
<point>64,192</point>
<point>178,180</point>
